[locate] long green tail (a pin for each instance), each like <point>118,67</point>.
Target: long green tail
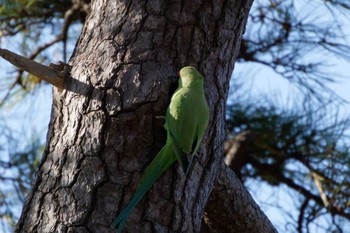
<point>161,162</point>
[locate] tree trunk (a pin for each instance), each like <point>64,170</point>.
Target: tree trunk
<point>104,128</point>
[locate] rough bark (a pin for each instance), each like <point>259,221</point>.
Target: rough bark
<point>104,128</point>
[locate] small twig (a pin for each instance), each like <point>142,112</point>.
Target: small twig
<point>318,183</point>
<point>9,91</point>
<point>45,46</point>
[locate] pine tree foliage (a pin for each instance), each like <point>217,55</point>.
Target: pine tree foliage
<point>296,40</point>
<point>305,152</point>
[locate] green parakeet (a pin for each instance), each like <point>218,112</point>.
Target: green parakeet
<point>186,121</point>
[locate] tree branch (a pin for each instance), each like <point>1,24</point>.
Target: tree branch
<point>291,184</point>
<point>229,205</point>
<point>49,74</point>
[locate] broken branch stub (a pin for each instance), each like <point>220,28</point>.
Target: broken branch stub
<point>46,73</point>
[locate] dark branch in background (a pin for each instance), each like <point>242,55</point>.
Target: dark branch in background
<point>69,16</point>
<point>302,214</point>
<point>23,165</point>
<point>278,176</point>
<point>278,38</point>
<point>289,146</point>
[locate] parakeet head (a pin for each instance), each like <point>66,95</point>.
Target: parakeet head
<point>189,74</point>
